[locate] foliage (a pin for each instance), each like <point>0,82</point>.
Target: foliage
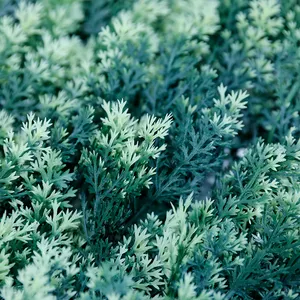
<point>149,149</point>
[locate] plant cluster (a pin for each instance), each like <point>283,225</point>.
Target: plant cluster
<point>149,149</point>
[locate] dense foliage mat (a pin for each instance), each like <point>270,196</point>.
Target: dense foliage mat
<point>149,149</point>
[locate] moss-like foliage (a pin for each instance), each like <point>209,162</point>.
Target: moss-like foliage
<point>149,149</point>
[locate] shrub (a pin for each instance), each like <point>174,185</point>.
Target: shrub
<point>149,149</point>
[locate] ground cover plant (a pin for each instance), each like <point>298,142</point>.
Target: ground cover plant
<point>149,149</point>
